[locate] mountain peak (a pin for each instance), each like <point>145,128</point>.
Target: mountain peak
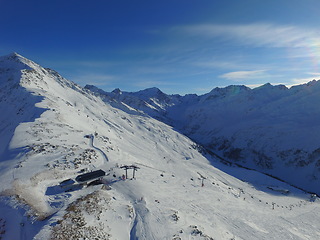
<point>117,91</point>
<point>152,92</point>
<point>229,91</point>
<point>17,61</point>
<point>13,56</point>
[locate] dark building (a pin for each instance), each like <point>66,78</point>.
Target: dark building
<point>90,176</point>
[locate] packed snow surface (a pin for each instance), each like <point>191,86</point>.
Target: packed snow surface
<point>53,130</point>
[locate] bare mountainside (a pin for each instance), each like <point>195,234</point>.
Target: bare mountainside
<point>63,157</point>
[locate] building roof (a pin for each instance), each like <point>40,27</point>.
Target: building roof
<point>90,176</point>
<point>66,182</point>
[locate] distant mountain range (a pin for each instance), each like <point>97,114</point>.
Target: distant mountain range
<point>273,129</point>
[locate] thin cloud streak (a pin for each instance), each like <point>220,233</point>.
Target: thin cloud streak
<point>258,34</point>
<point>218,64</point>
<point>94,79</point>
<point>314,74</point>
<point>303,80</point>
<point>243,75</point>
<point>298,81</point>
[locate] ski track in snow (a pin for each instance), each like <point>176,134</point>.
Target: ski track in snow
<point>105,157</point>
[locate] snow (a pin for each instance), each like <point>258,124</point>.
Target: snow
<point>47,144</point>
<point>272,129</point>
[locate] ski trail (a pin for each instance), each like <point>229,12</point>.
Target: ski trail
<point>143,227</point>
<point>98,149</point>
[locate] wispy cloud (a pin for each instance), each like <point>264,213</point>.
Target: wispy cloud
<point>258,34</point>
<point>316,74</point>
<point>298,81</point>
<point>218,64</point>
<point>153,70</point>
<point>153,83</point>
<point>243,75</point>
<point>94,79</point>
<point>97,64</point>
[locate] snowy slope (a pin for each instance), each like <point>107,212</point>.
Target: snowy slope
<point>270,128</point>
<point>63,130</point>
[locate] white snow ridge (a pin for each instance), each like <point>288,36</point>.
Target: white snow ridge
<point>78,164</point>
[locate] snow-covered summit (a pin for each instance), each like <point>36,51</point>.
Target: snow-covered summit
<point>18,62</point>
<point>230,91</point>
<point>151,93</point>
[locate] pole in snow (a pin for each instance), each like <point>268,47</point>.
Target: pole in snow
<point>202,179</point>
<point>126,167</point>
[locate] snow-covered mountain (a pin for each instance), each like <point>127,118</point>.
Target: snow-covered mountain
<point>270,128</point>
<point>53,131</point>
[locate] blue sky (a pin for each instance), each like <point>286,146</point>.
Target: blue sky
<point>179,46</point>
